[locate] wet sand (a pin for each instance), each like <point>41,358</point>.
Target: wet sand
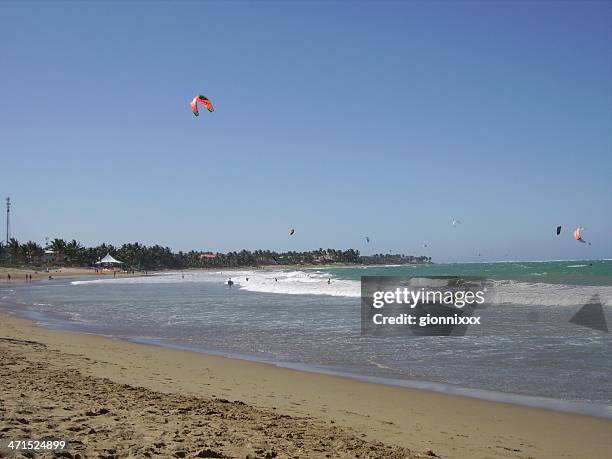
<point>113,398</point>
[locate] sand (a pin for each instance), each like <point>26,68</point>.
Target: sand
<point>97,416</point>
<point>18,275</point>
<point>113,398</point>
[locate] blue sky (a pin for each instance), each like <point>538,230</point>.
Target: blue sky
<point>339,119</point>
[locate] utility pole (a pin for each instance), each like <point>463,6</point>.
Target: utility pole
<point>8,219</point>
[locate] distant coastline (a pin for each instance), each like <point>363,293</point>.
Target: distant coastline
<point>139,257</point>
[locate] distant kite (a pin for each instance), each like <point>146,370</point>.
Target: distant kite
<point>368,239</point>
<point>202,100</point>
<point>578,235</point>
<point>558,230</point>
<point>456,222</point>
<point>291,231</point>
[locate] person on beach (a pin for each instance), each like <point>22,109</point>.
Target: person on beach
<point>247,279</point>
<point>8,277</point>
<point>329,281</point>
<point>230,282</point>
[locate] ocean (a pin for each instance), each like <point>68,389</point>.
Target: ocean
<point>526,351</point>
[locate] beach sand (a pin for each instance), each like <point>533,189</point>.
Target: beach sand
<point>111,398</point>
<point>18,275</point>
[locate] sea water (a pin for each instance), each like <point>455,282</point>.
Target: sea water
<point>527,350</point>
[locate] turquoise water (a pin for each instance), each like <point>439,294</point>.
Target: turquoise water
<point>575,272</point>
<point>526,351</point>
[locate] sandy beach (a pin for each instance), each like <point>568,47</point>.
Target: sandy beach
<point>18,275</point>
<point>306,229</point>
<point>113,398</point>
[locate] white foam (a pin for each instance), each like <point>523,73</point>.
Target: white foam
<point>159,278</point>
<point>298,282</point>
<point>264,281</point>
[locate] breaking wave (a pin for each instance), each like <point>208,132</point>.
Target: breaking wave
<point>299,282</point>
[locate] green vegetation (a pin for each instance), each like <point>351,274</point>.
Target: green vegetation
<point>139,256</point>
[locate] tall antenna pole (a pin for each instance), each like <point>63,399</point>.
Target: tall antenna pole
<point>8,219</point>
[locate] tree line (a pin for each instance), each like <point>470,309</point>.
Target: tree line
<point>139,256</point>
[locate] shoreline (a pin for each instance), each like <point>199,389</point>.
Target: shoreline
<point>50,393</point>
<point>412,418</point>
<point>589,409</point>
<point>69,272</point>
<point>585,408</point>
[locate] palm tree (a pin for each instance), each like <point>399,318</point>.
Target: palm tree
<point>13,249</point>
<point>71,250</point>
<point>58,246</point>
<point>31,251</point>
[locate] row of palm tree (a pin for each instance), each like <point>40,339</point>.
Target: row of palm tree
<point>393,259</point>
<point>139,256</point>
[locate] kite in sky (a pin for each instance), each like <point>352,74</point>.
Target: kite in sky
<point>203,100</point>
<point>578,235</point>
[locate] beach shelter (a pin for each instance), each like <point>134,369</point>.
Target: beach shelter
<point>109,260</point>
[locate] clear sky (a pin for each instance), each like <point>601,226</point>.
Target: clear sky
<point>338,119</point>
